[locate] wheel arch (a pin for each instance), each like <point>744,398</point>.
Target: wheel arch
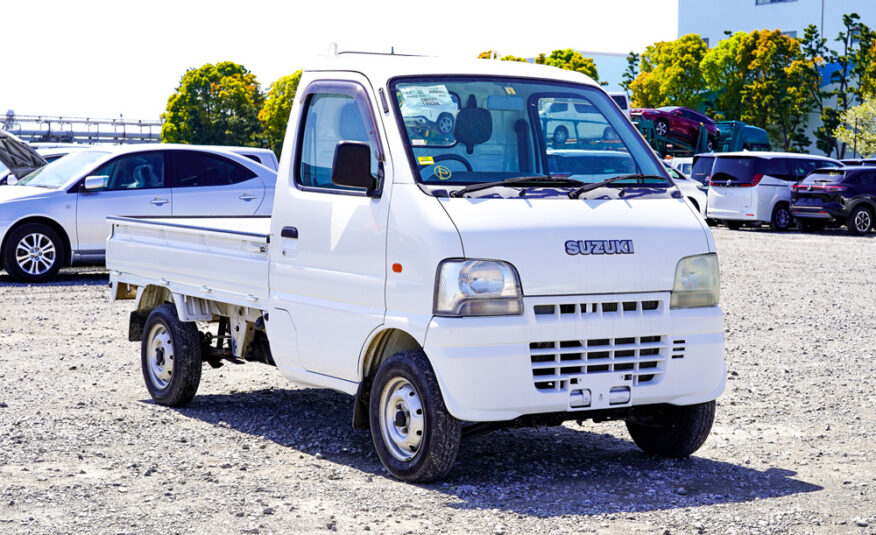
<point>383,345</point>
<point>147,299</point>
<point>67,248</point>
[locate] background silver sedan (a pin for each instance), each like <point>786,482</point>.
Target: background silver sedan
<point>55,216</point>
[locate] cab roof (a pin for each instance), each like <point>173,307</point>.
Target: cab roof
<point>380,68</point>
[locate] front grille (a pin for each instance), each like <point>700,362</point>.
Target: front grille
<point>631,307</point>
<point>641,359</point>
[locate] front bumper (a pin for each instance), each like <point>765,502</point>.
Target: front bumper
<point>578,353</point>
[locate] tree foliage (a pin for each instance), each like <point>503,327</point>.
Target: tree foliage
<point>724,76</point>
<point>274,115</point>
<point>571,60</point>
<point>214,104</point>
<point>858,127</point>
<point>774,96</point>
<point>670,74</point>
<point>491,54</point>
<point>631,71</point>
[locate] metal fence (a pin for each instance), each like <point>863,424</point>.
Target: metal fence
<point>87,130</point>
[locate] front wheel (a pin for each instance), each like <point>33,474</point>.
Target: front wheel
<point>34,253</point>
<point>672,431</point>
<point>415,436</point>
<point>860,221</point>
<point>170,355</point>
<point>734,225</point>
<point>445,123</point>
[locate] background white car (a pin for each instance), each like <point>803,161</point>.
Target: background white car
<point>55,216</point>
<point>566,119</point>
<point>692,190</point>
<point>755,187</point>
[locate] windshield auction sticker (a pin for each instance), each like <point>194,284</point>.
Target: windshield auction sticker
<point>430,96</point>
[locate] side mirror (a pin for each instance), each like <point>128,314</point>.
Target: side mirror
<point>95,182</point>
<point>352,166</point>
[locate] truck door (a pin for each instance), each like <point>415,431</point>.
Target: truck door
<point>328,263</point>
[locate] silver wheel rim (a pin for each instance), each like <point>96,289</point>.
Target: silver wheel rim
<point>783,218</point>
<point>560,136</point>
<point>159,356</point>
<point>661,129</point>
<point>402,419</point>
<point>862,221</point>
<point>35,253</point>
<point>445,125</point>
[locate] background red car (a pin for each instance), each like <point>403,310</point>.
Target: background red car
<point>676,121</point>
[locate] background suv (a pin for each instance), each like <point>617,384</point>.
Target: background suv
<point>755,187</point>
<point>846,195</point>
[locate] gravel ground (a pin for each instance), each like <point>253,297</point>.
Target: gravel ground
<point>84,450</point>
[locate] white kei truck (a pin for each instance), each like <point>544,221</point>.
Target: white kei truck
<point>451,282</point>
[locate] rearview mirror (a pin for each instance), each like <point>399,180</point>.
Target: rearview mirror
<point>352,166</point>
<point>95,182</point>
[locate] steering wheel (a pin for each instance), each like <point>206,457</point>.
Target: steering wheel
<point>454,157</point>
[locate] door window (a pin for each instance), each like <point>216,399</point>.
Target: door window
<point>134,171</point>
<point>198,169</point>
<point>329,118</point>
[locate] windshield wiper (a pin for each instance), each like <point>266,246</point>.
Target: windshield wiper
<point>590,187</point>
<point>510,181</point>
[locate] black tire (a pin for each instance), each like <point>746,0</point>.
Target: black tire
<point>406,384</point>
<point>711,222</point>
<point>781,219</point>
<point>810,226</point>
<point>561,135</point>
<point>164,331</point>
<point>676,431</point>
<point>734,225</point>
<point>860,221</point>
<point>34,253</point>
<point>661,125</point>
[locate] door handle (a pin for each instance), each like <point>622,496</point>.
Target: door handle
<point>158,201</point>
<point>247,197</point>
<point>289,232</point>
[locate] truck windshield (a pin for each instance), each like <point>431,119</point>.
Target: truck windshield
<point>471,130</point>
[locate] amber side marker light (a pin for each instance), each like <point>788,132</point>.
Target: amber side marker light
<point>397,268</point>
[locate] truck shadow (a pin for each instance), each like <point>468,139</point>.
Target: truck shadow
<point>541,472</point>
<point>66,277</point>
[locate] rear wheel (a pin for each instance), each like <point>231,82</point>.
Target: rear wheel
<point>34,253</point>
<point>445,123</point>
<point>781,218</point>
<point>661,126</point>
<point>672,431</point>
<point>561,135</point>
<point>170,355</point>
<point>415,436</point>
<point>860,221</point>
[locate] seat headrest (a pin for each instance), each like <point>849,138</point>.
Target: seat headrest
<point>473,125</point>
<point>350,125</point>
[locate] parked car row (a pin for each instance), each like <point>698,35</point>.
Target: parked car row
<point>774,188</point>
<point>56,215</point>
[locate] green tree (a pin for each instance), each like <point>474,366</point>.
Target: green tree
<point>774,97</point>
<point>274,115</point>
<point>868,81</point>
<point>858,127</point>
<point>214,104</point>
<point>491,54</point>
<point>631,71</point>
<point>670,74</point>
<point>571,60</point>
<point>724,76</point>
<point>852,59</point>
<point>814,51</point>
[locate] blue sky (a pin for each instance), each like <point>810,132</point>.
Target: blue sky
<point>106,58</point>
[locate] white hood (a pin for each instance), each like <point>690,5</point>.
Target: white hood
<point>632,244</point>
<point>13,193</point>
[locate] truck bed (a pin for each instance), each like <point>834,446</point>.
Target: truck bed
<point>219,258</point>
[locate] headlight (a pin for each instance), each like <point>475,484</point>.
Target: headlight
<point>696,282</point>
<point>477,288</point>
